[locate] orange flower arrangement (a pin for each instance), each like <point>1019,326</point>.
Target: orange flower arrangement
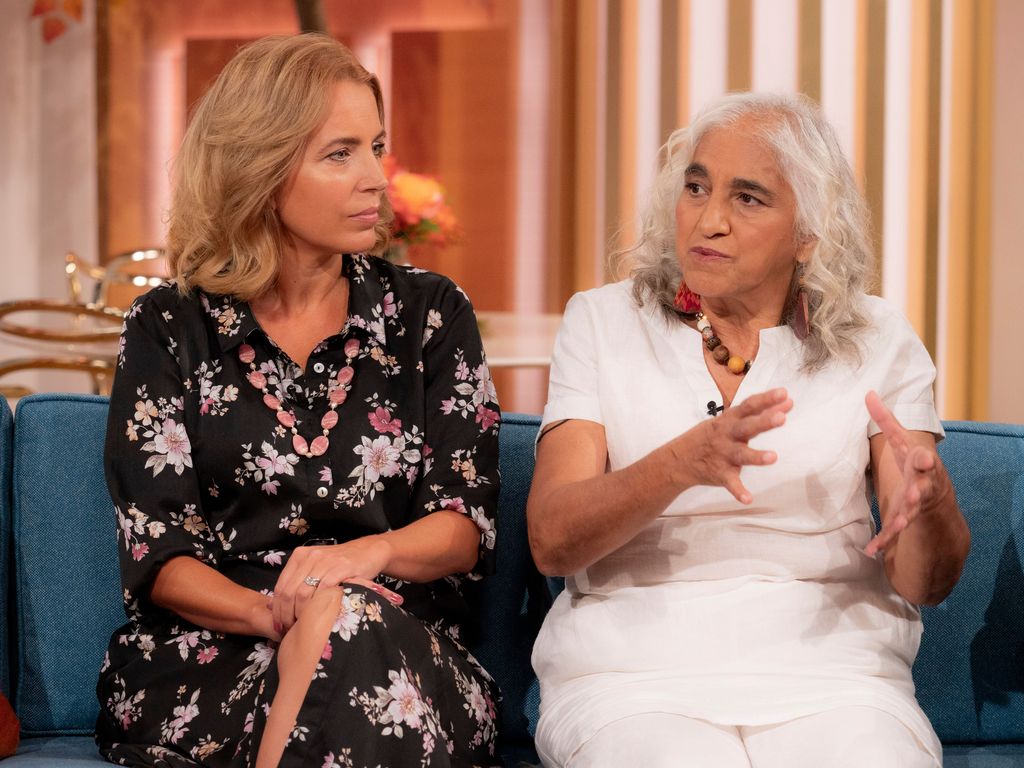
<point>421,214</point>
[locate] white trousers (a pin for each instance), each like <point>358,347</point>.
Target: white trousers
<point>848,737</point>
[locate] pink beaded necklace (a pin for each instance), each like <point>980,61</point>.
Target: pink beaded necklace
<point>286,417</point>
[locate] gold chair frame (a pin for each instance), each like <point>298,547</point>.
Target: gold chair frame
<point>92,322</point>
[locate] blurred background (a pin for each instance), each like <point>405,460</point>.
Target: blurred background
<point>541,121</point>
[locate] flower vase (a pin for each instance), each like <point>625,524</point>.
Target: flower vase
<point>398,253</point>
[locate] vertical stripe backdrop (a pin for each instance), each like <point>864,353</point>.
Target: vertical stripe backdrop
<point>907,83</point>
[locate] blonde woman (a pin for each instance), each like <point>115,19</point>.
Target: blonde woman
<point>301,481</point>
<point>711,427</point>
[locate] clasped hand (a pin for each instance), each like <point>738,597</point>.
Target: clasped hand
<point>359,561</point>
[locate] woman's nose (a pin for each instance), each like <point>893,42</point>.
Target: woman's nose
<point>714,219</point>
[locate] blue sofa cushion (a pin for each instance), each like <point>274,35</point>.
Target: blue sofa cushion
<point>970,669</point>
<point>509,605</point>
<point>65,558</point>
<point>6,565</point>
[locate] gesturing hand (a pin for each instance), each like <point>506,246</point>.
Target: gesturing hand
<point>358,561</point>
<point>718,448</point>
<point>922,478</point>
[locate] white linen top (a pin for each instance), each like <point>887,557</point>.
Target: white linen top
<point>739,615</point>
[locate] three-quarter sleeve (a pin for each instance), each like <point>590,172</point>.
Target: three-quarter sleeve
<point>908,373</point>
<point>572,385</point>
<point>148,454</point>
<point>460,466</point>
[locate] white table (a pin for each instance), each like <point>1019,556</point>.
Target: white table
<point>518,340</point>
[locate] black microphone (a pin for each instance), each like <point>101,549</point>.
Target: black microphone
<point>713,409</point>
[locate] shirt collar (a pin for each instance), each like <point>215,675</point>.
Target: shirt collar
<point>235,322</point>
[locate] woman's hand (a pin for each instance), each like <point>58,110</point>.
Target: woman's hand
<point>358,561</point>
<point>717,449</point>
<point>923,480</point>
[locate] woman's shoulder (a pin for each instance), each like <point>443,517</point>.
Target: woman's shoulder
<point>611,298</point>
<point>884,316</point>
<point>409,283</point>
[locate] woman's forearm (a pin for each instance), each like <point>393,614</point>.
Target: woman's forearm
<point>927,558</point>
<point>440,544</point>
<point>575,524</point>
<point>209,599</point>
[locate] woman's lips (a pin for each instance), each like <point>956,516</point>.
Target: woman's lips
<point>708,254</point>
<point>370,215</point>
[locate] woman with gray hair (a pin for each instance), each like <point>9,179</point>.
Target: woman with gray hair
<point>712,425</point>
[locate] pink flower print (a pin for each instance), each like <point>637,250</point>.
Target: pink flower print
<point>380,458</point>
<point>477,702</point>
<point>139,551</point>
<point>455,505</point>
<point>381,420</point>
<point>326,476</point>
<point>447,406</point>
<point>462,371</point>
<point>207,655</point>
<point>389,304</point>
<point>172,441</point>
<point>485,417</point>
<point>274,463</point>
<point>406,705</point>
<point>328,652</point>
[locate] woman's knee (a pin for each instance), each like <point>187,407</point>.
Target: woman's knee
<point>661,740</point>
<point>847,737</point>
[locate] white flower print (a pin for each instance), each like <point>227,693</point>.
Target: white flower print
<point>406,705</point>
<point>380,457</point>
<point>170,445</point>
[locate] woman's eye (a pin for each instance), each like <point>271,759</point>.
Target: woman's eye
<point>379,150</point>
<point>341,154</point>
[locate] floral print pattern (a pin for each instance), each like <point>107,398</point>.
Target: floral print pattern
<point>197,465</point>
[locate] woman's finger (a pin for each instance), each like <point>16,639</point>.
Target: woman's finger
<point>390,596</point>
<point>763,401</point>
<point>737,489</point>
<point>894,432</point>
<point>749,427</point>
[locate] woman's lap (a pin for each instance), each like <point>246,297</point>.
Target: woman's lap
<point>846,737</point>
<point>385,673</point>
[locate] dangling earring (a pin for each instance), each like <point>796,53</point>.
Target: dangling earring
<point>801,309</point>
<point>686,301</point>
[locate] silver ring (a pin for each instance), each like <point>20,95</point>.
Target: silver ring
<point>312,581</point>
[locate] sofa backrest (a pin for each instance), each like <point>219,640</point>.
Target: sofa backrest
<point>67,586</point>
<point>969,672</point>
<point>970,669</point>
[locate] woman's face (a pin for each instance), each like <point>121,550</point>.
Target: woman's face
<point>330,203</point>
<point>735,220</point>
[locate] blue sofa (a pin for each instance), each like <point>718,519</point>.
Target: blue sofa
<point>60,593</point>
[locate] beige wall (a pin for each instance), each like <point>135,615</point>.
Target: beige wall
<point>1006,379</point>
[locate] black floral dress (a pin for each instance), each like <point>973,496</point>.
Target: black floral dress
<point>197,464</point>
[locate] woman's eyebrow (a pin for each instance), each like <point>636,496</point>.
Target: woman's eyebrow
<point>351,141</point>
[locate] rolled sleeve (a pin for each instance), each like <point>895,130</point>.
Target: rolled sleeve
<point>572,386</point>
<point>461,425</point>
<point>908,379</point>
<point>148,456</point>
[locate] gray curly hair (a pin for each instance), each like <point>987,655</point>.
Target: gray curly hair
<point>830,213</point>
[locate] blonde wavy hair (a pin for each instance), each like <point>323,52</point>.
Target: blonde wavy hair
<point>246,136</point>
<point>831,214</point>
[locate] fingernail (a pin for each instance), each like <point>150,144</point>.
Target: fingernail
<point>278,628</point>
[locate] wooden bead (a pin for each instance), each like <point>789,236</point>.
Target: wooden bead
<point>711,343</point>
<point>737,364</point>
<point>721,354</point>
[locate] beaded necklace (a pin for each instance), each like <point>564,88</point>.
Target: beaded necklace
<point>688,303</point>
<point>286,417</point>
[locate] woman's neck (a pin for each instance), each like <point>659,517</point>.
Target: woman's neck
<point>304,287</point>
